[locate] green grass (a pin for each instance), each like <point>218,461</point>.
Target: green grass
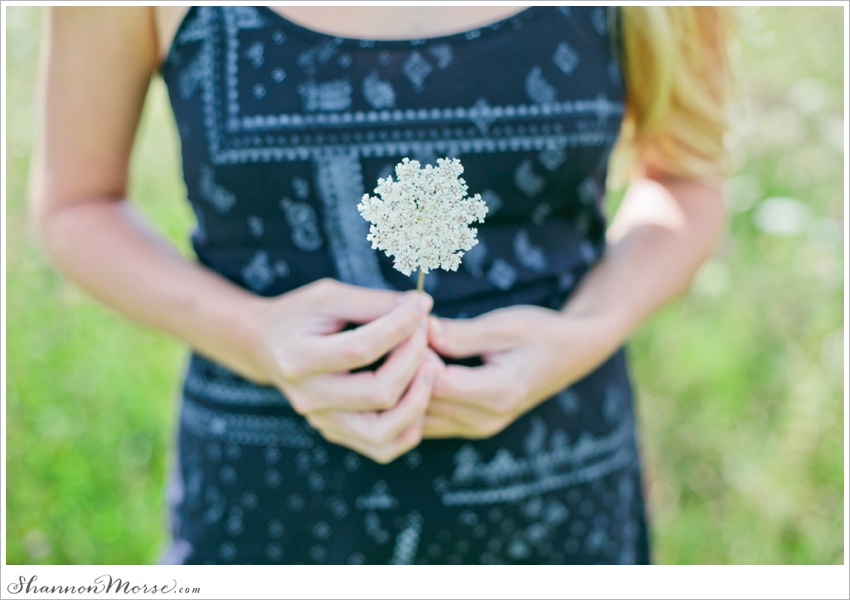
<point>739,382</point>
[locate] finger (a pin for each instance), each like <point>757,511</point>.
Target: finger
<point>360,347</point>
<point>389,382</point>
<point>410,408</point>
<point>406,441</point>
<point>380,428</point>
<point>473,421</point>
<point>363,305</point>
<point>461,338</point>
<point>371,390</point>
<point>473,386</point>
<point>439,427</point>
<point>353,303</point>
<point>463,414</point>
<point>435,426</point>
<point>435,360</point>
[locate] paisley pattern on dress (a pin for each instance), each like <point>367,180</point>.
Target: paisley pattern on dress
<point>283,130</point>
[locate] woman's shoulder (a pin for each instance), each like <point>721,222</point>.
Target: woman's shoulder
<point>168,19</point>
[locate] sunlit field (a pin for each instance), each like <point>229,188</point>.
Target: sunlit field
<point>739,383</point>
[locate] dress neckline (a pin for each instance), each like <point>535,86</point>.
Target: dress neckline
<point>506,24</point>
<point>503,25</point>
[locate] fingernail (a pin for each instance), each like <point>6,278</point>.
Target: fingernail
<point>423,326</point>
<point>428,377</point>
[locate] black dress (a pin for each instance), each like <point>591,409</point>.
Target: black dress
<point>283,129</point>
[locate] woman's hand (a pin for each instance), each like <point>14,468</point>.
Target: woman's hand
<point>529,354</point>
<point>664,229</point>
<point>303,350</point>
<point>383,436</point>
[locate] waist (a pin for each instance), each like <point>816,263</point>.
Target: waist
<point>216,402</point>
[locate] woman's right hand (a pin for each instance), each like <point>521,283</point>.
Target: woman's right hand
<point>303,350</point>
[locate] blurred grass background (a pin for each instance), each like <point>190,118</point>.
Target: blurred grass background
<point>739,383</point>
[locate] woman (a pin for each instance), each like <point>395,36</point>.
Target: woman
<point>489,421</point>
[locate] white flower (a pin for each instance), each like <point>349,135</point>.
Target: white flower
<point>423,218</point>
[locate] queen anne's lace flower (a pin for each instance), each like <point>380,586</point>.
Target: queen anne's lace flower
<point>422,220</point>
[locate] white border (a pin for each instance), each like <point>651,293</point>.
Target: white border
<point>466,582</point>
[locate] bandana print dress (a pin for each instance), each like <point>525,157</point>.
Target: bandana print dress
<point>283,129</point>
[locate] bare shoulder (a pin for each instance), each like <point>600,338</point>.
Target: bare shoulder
<point>97,66</point>
<point>128,29</point>
<point>168,19</point>
<point>158,23</point>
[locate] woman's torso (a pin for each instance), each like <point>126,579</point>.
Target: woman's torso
<point>283,129</point>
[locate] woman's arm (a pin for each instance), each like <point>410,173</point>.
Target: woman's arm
<point>663,231</point>
<point>665,228</point>
<point>97,66</point>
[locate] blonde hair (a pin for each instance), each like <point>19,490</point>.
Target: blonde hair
<point>676,65</point>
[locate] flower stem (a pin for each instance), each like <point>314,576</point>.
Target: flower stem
<point>420,286</point>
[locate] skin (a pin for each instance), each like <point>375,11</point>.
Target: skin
<point>90,105</point>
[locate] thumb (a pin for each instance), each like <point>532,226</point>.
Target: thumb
<point>462,338</point>
<point>361,305</point>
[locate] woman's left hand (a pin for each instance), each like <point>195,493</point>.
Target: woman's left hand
<point>529,354</point>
